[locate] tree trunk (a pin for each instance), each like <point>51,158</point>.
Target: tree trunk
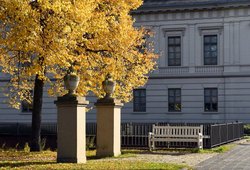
<point>36,115</point>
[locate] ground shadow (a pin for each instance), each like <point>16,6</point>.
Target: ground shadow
<point>174,152</point>
<point>20,164</point>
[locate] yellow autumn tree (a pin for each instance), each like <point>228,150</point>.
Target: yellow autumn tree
<point>41,39</point>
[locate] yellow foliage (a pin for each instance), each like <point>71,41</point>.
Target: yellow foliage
<point>45,37</point>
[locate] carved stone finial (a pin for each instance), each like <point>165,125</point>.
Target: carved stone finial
<point>71,81</point>
<point>109,86</point>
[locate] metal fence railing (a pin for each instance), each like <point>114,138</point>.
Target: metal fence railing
<point>136,134</point>
<point>224,133</point>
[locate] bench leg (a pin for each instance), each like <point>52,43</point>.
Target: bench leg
<point>200,143</point>
<point>153,145</point>
<point>149,143</point>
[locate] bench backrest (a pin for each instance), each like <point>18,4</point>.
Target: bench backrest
<point>177,131</point>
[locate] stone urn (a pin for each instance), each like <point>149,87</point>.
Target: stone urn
<point>109,86</point>
<point>71,81</point>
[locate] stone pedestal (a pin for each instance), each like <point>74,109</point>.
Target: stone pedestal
<point>108,138</point>
<point>71,129</point>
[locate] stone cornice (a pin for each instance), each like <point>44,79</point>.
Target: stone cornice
<point>225,14</point>
<point>163,9</point>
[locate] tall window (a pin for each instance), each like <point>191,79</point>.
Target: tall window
<point>211,99</point>
<point>174,100</point>
<point>25,105</point>
<point>139,100</point>
<point>210,49</point>
<point>174,51</point>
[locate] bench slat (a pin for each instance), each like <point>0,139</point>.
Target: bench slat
<point>183,136</point>
<point>174,140</point>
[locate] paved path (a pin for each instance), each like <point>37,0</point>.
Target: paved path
<point>236,159</point>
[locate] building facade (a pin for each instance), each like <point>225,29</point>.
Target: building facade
<point>203,70</point>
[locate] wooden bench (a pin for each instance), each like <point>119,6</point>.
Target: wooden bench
<point>176,134</point>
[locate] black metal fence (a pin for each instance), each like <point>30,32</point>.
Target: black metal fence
<point>224,133</point>
<point>136,134</point>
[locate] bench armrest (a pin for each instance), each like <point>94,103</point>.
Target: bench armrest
<point>150,134</point>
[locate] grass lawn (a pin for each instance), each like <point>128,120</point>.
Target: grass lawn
<point>47,160</point>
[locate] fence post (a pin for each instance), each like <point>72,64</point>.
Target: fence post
<point>17,129</point>
<point>227,132</point>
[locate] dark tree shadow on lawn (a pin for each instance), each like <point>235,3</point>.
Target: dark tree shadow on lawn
<point>20,164</point>
<point>168,151</point>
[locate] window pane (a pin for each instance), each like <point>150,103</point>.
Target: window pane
<point>214,92</point>
<point>171,92</point>
<point>213,47</point>
<point>171,107</point>
<point>210,49</point>
<point>214,99</point>
<point>143,93</point>
<point>178,40</point>
<point>174,99</point>
<point>214,39</point>
<point>207,92</point>
<point>171,63</point>
<point>178,62</point>
<point>174,51</point>
<point>27,106</point>
<point>136,93</point>
<point>178,49</point>
<point>214,61</point>
<point>178,99</point>
<point>207,99</point>
<point>171,49</point>
<point>178,56</point>
<point>171,100</point>
<point>170,40</point>
<point>214,107</point>
<point>171,55</point>
<point>206,39</point>
<point>207,54</point>
<point>178,92</point>
<point>214,54</point>
<point>140,100</point>
<point>207,61</point>
<point>207,48</point>
<point>207,107</point>
<point>211,99</point>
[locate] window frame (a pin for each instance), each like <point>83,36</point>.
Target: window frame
<point>25,104</point>
<point>140,97</point>
<point>211,100</point>
<point>29,107</point>
<point>174,45</point>
<point>175,102</point>
<point>211,29</point>
<point>170,32</point>
<point>210,44</point>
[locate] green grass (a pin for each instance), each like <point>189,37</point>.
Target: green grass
<point>219,149</point>
<point>247,137</point>
<point>47,160</point>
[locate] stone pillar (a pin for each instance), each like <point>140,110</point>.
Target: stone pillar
<point>108,127</point>
<point>71,129</point>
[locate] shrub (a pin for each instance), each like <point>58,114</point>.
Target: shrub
<point>90,142</point>
<point>247,129</point>
<point>43,143</point>
<point>26,147</point>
